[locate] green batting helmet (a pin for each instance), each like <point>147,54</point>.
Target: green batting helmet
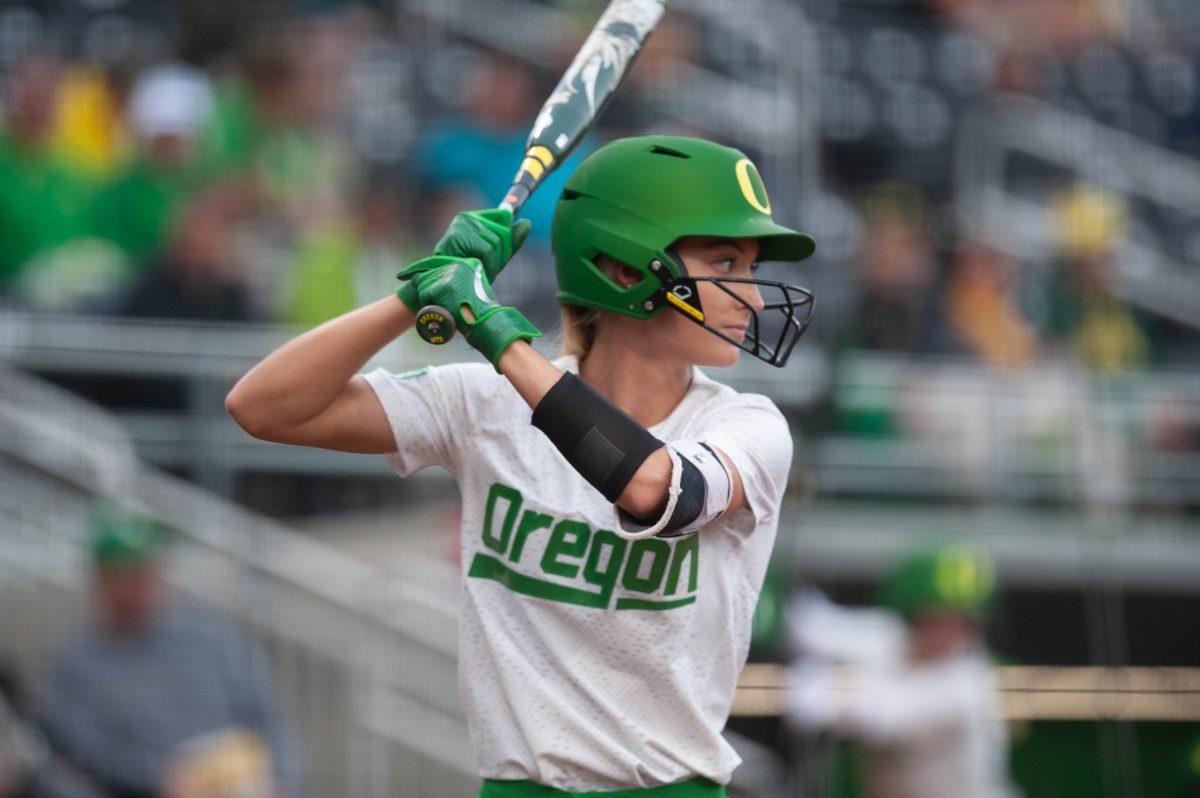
<point>632,199</point>
<point>958,578</point>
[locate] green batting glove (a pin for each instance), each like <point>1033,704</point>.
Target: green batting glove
<point>458,283</point>
<point>491,236</point>
<point>408,291</point>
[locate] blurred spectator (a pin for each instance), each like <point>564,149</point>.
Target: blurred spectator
<point>155,699</point>
<point>167,110</point>
<point>915,685</point>
<point>473,159</point>
<point>982,310</point>
<point>898,303</point>
<point>1063,26</point>
<point>1084,312</point>
<point>90,134</point>
<point>386,239</point>
<point>268,121</point>
<point>197,277</point>
<point>43,203</point>
<point>28,768</point>
<point>273,127</point>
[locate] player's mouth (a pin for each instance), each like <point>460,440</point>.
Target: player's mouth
<point>735,331</point>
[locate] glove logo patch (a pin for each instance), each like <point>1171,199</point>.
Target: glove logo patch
<point>479,292</point>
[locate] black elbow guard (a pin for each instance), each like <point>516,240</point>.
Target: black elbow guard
<point>600,441</point>
<point>688,506</point>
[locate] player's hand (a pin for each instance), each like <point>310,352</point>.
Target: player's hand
<point>491,236</point>
<point>462,288</point>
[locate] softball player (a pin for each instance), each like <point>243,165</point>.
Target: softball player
<point>619,506</point>
<point>922,696</point>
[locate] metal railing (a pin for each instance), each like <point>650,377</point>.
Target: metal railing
<point>1052,432</point>
<point>958,431</point>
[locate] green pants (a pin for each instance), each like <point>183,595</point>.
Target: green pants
<point>695,788</point>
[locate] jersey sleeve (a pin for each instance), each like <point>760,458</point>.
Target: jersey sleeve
<point>754,435</point>
<point>421,408</point>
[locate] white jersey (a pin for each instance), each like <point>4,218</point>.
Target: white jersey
<point>588,662</point>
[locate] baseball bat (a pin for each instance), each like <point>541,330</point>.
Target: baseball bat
<point>571,110</point>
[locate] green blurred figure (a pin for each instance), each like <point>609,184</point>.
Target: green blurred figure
<point>43,203</point>
<point>912,683</point>
<point>1084,312</point>
<point>167,111</point>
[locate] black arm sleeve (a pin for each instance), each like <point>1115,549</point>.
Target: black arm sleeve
<point>600,441</point>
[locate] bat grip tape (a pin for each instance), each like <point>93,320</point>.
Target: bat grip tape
<point>600,441</point>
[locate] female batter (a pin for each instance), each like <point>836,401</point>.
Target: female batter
<point>619,507</point>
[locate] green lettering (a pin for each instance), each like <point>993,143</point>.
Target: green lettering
<point>645,604</point>
<point>569,539</point>
<point>656,548</point>
<point>485,566</point>
<point>513,497</point>
<point>685,546</point>
<point>530,522</point>
<point>606,579</point>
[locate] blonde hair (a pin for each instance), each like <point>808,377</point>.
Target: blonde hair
<point>579,324</point>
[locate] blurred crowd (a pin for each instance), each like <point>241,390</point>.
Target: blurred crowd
<point>258,162</point>
<point>970,299</point>
<point>265,165</point>
<point>153,187</point>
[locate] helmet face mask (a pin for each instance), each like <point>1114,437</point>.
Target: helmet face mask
<point>774,329</point>
<point>632,200</point>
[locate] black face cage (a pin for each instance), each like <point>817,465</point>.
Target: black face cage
<point>770,338</point>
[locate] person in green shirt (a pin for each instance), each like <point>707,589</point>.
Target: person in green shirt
<point>42,202</point>
<point>167,110</point>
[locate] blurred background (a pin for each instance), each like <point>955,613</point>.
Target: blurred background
<point>1003,362</point>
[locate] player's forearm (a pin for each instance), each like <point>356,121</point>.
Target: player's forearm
<point>529,371</point>
<point>301,378</point>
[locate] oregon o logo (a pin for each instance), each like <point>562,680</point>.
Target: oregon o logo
<point>743,169</point>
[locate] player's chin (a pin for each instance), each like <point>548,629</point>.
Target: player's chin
<point>721,354</point>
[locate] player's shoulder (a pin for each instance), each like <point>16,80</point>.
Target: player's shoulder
<point>467,373</point>
<point>459,375</point>
<point>478,386</point>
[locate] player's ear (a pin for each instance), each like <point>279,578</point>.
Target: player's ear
<point>618,272</point>
<point>627,276</point>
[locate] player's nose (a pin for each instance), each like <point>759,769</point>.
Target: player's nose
<point>750,295</point>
